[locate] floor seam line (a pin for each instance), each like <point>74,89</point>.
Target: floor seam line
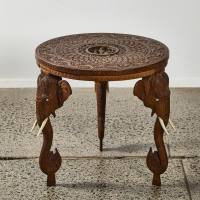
<point>95,157</point>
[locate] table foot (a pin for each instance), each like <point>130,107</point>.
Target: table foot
<point>52,91</point>
<point>156,180</point>
<point>155,94</point>
<point>51,180</point>
<point>100,88</point>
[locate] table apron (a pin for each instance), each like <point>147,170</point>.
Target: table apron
<point>103,78</point>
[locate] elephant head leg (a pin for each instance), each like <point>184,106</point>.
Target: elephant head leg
<point>52,91</point>
<point>155,94</point>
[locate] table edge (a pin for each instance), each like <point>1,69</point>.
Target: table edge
<point>102,78</point>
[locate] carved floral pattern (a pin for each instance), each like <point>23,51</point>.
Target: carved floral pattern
<point>71,51</point>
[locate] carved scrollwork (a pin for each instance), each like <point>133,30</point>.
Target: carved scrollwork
<point>102,51</point>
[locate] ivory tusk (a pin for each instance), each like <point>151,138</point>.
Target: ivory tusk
<point>163,125</point>
<point>34,125</point>
<point>167,140</point>
<point>107,87</point>
<point>170,122</point>
<point>42,126</point>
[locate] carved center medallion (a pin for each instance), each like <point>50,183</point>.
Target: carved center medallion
<point>102,50</point>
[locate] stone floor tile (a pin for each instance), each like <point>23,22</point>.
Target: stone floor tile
<point>192,171</point>
<point>91,179</point>
<point>185,113</point>
<point>128,131</point>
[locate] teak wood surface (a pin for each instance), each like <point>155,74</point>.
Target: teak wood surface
<point>102,57</point>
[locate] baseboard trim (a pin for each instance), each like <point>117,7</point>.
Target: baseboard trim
<point>32,83</point>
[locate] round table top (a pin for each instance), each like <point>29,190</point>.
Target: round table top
<point>102,56</point>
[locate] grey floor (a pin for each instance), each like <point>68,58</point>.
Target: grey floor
<point>120,171</point>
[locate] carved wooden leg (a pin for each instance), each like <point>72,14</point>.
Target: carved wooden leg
<point>52,91</point>
<point>101,106</point>
<point>155,94</point>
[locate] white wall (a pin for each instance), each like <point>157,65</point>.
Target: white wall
<point>24,24</point>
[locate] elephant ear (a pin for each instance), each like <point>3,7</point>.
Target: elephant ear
<point>64,91</point>
<point>140,90</point>
<point>159,86</point>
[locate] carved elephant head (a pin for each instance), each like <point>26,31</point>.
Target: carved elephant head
<point>52,91</point>
<point>155,94</point>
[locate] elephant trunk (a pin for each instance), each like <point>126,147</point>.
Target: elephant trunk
<point>49,162</point>
<point>52,91</point>
<point>155,94</point>
<point>157,162</point>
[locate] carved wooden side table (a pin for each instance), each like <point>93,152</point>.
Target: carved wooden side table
<point>102,57</point>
